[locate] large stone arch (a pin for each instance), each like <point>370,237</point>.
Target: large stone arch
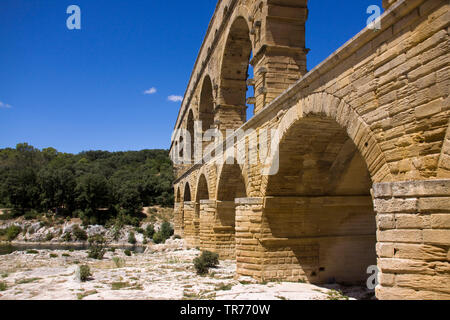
<point>206,104</point>
<point>317,205</point>
<point>202,189</point>
<point>330,108</point>
<point>230,186</point>
<point>190,139</point>
<point>206,109</point>
<point>231,100</point>
<point>190,223</point>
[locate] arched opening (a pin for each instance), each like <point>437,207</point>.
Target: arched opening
<point>189,220</point>
<point>234,75</point>
<point>190,140</point>
<point>178,195</point>
<point>319,207</point>
<point>187,193</point>
<point>202,189</point>
<point>231,186</point>
<point>250,96</point>
<point>201,194</point>
<point>206,107</point>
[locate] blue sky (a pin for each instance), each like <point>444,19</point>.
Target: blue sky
<point>78,90</point>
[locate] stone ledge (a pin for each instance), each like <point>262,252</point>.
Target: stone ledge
<point>207,201</point>
<point>420,188</point>
<point>240,201</point>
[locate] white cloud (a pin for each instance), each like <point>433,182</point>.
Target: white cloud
<point>152,90</point>
<point>5,106</point>
<point>174,98</point>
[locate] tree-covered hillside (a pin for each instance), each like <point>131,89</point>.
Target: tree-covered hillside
<point>95,186</point>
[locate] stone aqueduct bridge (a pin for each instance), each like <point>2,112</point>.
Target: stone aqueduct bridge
<point>364,152</point>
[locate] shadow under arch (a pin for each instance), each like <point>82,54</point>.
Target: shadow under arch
<point>318,206</point>
<point>191,138</point>
<point>206,105</point>
<point>202,193</point>
<point>187,192</point>
<point>231,185</point>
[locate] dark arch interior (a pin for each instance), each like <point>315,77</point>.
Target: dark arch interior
<point>187,193</point>
<point>206,108</point>
<point>231,186</point>
<point>190,131</point>
<point>178,195</point>
<point>235,66</point>
<point>202,189</point>
<point>320,201</point>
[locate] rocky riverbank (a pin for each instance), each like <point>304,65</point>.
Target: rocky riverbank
<point>73,233</point>
<point>163,271</point>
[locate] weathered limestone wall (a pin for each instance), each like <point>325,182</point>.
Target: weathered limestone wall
<point>249,252</point>
<point>224,229</point>
<point>328,238</point>
<point>413,246</point>
<point>191,222</point>
<point>178,219</point>
<point>319,239</point>
<point>207,218</point>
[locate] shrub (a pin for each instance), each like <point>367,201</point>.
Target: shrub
<point>158,238</point>
<point>139,230</point>
<point>145,241</point>
<point>53,255</point>
<point>32,214</point>
<point>79,233</point>
<point>177,236</point>
<point>49,236</point>
<point>127,252</point>
<point>12,232</point>
<point>85,273</point>
<point>96,252</point>
<point>131,238</point>
<point>205,261</point>
<point>66,255</point>
<point>96,247</point>
<point>116,231</point>
<point>119,262</point>
<point>150,231</point>
<point>166,230</point>
<point>200,266</point>
<point>67,237</point>
<point>31,251</point>
<point>3,286</point>
<point>76,214</point>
